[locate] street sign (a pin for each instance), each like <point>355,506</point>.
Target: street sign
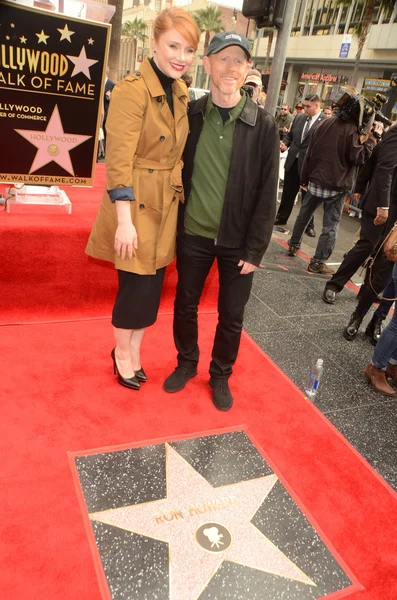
<point>345,46</point>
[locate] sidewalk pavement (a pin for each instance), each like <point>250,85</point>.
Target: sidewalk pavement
<point>288,319</point>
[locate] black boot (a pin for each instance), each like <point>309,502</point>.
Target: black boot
<point>374,329</point>
<point>353,326</point>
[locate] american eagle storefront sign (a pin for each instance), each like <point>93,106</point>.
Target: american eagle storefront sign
<point>51,77</point>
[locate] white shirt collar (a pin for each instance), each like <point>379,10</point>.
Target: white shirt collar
<point>314,119</point>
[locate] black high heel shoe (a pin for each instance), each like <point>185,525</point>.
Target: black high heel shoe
<point>141,375</point>
<point>132,382</point>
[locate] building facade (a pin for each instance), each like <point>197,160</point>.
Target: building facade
<point>322,48</point>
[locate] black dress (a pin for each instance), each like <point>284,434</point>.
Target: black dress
<point>138,297</point>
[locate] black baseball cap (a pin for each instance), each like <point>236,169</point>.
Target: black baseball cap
<point>223,40</point>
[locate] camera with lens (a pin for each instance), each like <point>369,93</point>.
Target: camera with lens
<point>362,111</point>
<point>249,89</point>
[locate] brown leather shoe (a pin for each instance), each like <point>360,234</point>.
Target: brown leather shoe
<point>321,268</point>
<point>391,371</point>
<point>377,378</point>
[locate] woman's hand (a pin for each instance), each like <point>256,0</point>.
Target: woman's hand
<point>125,240</point>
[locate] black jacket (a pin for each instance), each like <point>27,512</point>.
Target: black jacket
<point>293,139</point>
<point>250,199</point>
<point>109,85</point>
<point>380,173</point>
<point>333,154</point>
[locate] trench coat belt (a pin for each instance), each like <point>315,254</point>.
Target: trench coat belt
<point>175,168</point>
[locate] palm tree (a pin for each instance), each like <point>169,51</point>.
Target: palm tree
<point>362,29</point>
<point>136,30</point>
<point>209,20</point>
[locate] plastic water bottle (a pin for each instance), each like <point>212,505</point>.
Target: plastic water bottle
<point>314,379</point>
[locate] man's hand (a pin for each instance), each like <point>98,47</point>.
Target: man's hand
<point>381,216</point>
<point>364,137</point>
<point>126,240</point>
<point>376,128</point>
<point>283,147</point>
<point>246,267</point>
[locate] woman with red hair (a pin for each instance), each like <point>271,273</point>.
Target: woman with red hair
<point>135,228</point>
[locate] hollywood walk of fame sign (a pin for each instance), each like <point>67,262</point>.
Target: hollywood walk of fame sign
<point>52,72</point>
<point>222,527</point>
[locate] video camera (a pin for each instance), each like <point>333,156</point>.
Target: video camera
<point>249,89</point>
<point>361,110</point>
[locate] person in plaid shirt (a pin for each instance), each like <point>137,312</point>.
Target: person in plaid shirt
<point>335,150</point>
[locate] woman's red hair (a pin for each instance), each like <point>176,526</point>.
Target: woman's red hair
<point>179,19</point>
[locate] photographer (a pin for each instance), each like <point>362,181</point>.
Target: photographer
<point>382,190</point>
<point>284,120</point>
<point>253,86</point>
<point>372,220</point>
<point>335,150</point>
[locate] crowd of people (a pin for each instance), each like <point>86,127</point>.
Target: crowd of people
<point>327,161</point>
<point>199,181</point>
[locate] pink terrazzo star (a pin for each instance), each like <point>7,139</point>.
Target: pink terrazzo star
<point>192,502</point>
<point>53,144</point>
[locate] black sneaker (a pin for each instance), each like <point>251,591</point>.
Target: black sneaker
<point>221,395</point>
<point>178,379</point>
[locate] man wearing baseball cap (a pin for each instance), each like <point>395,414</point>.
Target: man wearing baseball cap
<point>253,81</point>
<point>230,180</point>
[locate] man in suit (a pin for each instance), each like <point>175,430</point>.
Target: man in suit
<point>297,140</point>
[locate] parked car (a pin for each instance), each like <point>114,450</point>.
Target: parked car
<point>196,93</point>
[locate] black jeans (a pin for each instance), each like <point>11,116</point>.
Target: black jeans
<point>290,189</point>
<point>195,257</point>
<point>369,236</point>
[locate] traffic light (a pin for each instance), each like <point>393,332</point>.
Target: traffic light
<point>266,13</point>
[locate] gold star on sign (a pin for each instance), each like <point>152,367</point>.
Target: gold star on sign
<point>42,37</point>
<point>66,33</point>
<point>7,37</point>
<point>12,25</point>
<point>23,39</point>
<point>90,41</point>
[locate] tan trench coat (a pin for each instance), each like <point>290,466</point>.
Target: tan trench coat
<point>143,149</point>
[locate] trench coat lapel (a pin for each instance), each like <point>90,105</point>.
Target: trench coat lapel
<point>180,94</point>
<point>156,90</point>
<point>167,115</point>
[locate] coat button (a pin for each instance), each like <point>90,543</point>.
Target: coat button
<point>162,138</point>
<point>141,206</point>
<point>150,170</point>
<point>159,98</point>
<point>138,73</point>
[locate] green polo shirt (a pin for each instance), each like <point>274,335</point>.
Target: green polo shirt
<point>211,170</point>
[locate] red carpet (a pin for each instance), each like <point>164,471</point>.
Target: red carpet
<point>59,395</point>
<point>45,274</point>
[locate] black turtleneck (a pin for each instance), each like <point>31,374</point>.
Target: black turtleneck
<point>166,83</point>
